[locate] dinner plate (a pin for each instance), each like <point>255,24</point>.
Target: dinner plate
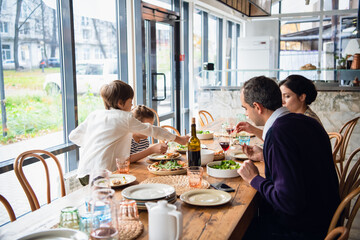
<point>159,157</point>
<point>205,197</point>
<point>239,155</point>
<point>56,234</point>
<point>129,179</point>
<point>148,191</point>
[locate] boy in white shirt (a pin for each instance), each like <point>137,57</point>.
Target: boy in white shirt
<point>106,134</point>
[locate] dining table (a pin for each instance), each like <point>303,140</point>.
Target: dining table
<point>227,221</point>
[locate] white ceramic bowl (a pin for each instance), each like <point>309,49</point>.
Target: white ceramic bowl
<point>206,156</point>
<point>221,173</point>
<point>204,136</point>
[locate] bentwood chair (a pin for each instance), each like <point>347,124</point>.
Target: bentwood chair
<point>346,131</point>
<point>170,129</point>
<point>157,121</point>
<point>339,233</point>
<point>346,211</point>
<point>336,147</point>
<point>30,194</point>
<point>8,208</point>
<point>350,177</point>
<point>205,115</point>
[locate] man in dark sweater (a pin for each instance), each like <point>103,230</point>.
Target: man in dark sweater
<point>301,187</point>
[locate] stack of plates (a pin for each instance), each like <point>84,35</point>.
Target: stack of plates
<point>149,193</point>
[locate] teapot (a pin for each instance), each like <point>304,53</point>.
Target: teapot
<point>165,222</point>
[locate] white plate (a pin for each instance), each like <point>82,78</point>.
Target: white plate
<point>56,234</point>
<point>205,197</point>
<point>239,155</point>
<point>148,191</point>
<point>129,179</point>
<point>159,157</point>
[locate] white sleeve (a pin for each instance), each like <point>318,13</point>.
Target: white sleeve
<point>77,135</point>
<point>135,126</point>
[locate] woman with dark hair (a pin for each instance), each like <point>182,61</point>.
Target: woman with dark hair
<point>298,93</point>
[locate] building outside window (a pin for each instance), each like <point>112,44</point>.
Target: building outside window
<point>4,27</point>
<point>6,54</point>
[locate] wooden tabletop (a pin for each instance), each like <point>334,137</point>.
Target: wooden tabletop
<point>228,221</point>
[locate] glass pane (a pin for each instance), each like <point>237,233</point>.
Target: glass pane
<point>164,59</point>
<point>96,55</point>
<point>31,117</point>
<point>299,6</point>
<point>167,4</point>
<point>213,45</point>
<point>197,48</point>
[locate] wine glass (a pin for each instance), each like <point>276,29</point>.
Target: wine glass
<point>224,142</point>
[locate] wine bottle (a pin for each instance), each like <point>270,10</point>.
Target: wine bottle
<point>194,158</point>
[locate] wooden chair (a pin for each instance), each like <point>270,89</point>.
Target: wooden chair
<point>346,210</point>
<point>157,121</point>
<point>334,234</point>
<point>30,194</point>
<point>346,131</point>
<point>206,115</point>
<point>171,129</point>
<point>349,179</point>
<point>8,208</point>
<point>338,141</point>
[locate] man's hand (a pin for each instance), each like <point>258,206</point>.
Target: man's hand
<point>159,148</point>
<point>248,171</point>
<point>247,127</point>
<point>182,139</point>
<point>254,153</point>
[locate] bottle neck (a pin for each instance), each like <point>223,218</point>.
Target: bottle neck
<point>193,130</point>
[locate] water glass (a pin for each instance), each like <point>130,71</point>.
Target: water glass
<point>123,165</point>
<point>127,210</point>
<point>195,174</point>
<point>100,179</point>
<point>87,222</point>
<point>69,218</point>
<point>244,139</point>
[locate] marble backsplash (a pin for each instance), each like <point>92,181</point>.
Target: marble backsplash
<point>333,108</point>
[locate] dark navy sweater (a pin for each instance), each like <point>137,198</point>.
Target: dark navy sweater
<point>301,183</point>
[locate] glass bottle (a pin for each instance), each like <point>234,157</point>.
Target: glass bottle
<point>194,157</point>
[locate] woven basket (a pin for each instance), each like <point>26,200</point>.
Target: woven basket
<point>179,182</point>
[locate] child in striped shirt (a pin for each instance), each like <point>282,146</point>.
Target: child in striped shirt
<point>140,143</point>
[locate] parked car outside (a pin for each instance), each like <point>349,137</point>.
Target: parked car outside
<point>9,64</point>
<point>91,75</point>
<point>51,62</point>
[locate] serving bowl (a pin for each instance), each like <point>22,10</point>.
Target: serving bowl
<point>206,156</point>
<point>221,173</point>
<point>204,136</point>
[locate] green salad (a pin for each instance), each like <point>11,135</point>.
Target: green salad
<point>203,132</point>
<point>227,164</point>
<point>171,164</point>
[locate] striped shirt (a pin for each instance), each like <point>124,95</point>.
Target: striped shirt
<point>141,145</point>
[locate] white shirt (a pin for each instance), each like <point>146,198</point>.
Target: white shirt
<point>107,134</point>
<point>275,115</point>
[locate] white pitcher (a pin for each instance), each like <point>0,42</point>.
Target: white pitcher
<point>165,223</point>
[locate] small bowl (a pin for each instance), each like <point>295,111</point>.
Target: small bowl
<point>204,136</point>
<point>206,156</point>
<point>221,173</point>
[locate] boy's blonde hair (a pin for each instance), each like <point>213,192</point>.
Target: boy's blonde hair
<point>142,112</point>
<point>115,92</point>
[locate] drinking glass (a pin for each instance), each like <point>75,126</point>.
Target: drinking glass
<point>244,139</point>
<point>127,210</point>
<point>224,142</point>
<point>195,174</point>
<point>69,218</point>
<point>123,164</point>
<point>100,179</point>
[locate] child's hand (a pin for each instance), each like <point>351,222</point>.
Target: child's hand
<point>182,139</point>
<point>159,148</point>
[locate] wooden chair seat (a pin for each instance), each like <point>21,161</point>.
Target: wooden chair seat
<point>205,115</point>
<point>8,208</point>
<point>346,210</point>
<point>30,194</point>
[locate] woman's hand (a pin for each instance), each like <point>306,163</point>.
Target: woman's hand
<point>254,153</point>
<point>159,148</point>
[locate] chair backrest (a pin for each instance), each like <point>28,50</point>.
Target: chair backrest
<point>338,141</point>
<point>157,121</point>
<point>350,177</point>
<point>8,208</point>
<point>346,210</point>
<point>346,131</point>
<point>30,194</point>
<point>205,115</point>
<point>172,128</point>
<point>334,234</point>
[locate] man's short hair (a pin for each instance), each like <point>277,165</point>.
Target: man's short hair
<point>262,90</point>
<point>115,92</point>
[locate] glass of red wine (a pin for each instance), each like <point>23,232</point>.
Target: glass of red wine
<point>224,142</point>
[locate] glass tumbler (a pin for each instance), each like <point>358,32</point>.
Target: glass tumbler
<point>195,174</point>
<point>127,210</point>
<point>100,179</point>
<point>69,218</point>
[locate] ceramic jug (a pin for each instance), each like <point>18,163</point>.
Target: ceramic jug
<point>165,223</point>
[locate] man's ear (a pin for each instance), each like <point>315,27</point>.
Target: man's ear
<point>258,107</point>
